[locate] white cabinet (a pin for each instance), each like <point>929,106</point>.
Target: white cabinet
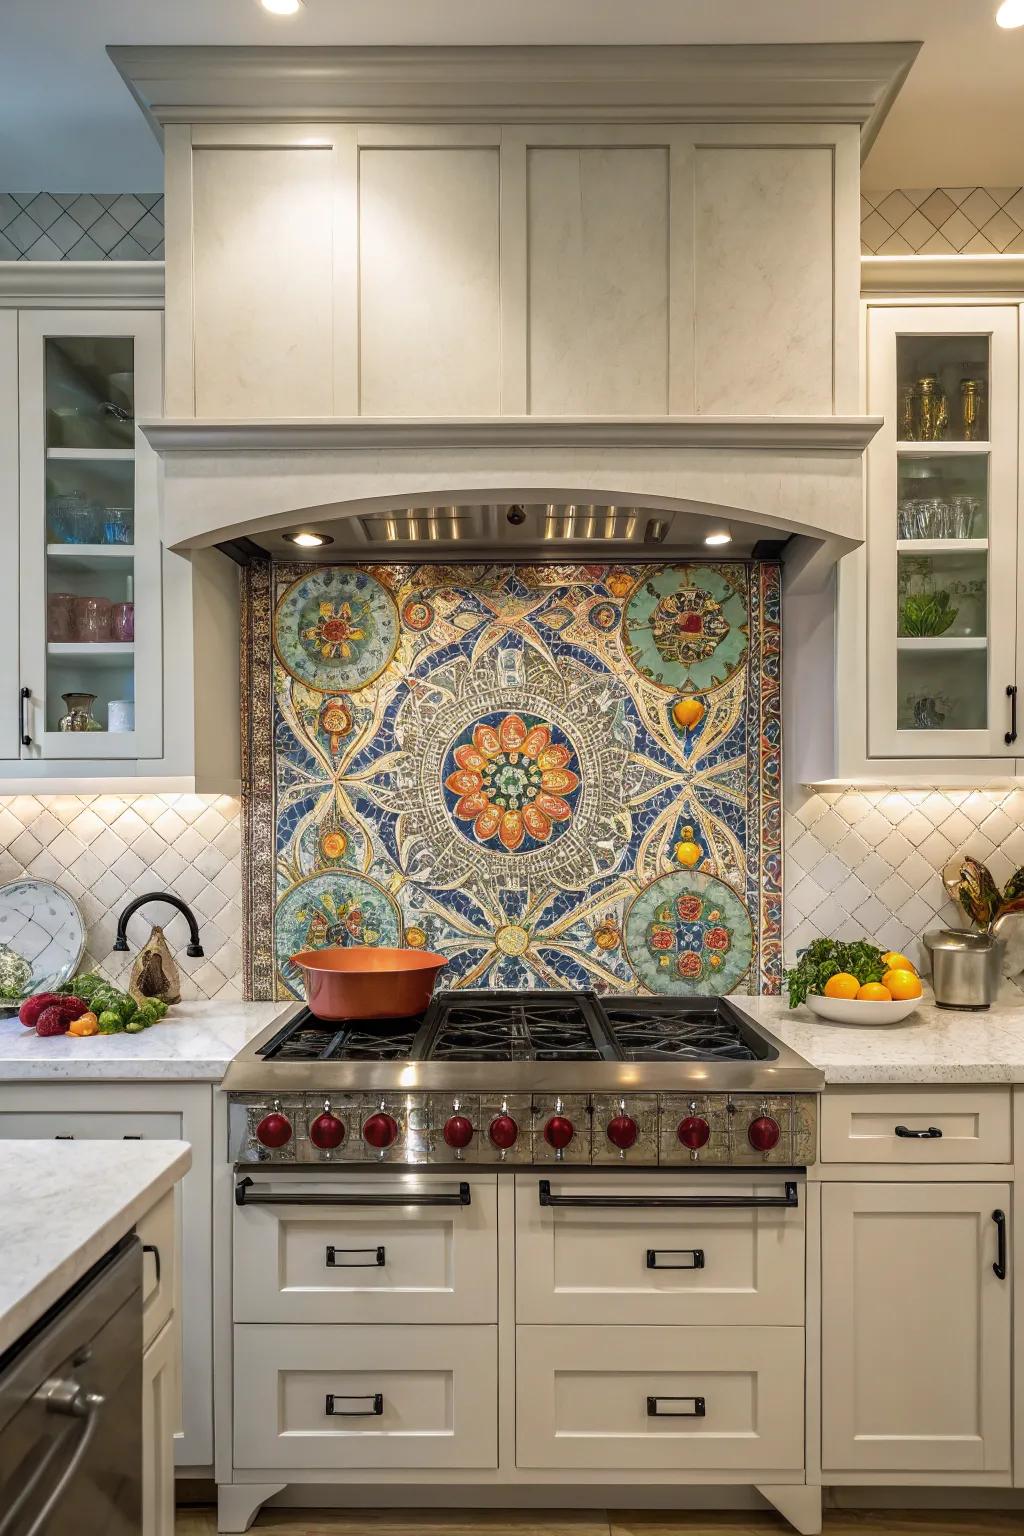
<point>915,1328</point>
<point>161,1397</point>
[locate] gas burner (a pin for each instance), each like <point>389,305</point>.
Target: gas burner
<point>517,1026</point>
<point>671,1029</point>
<point>308,1038</point>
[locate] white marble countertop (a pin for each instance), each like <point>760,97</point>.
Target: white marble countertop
<point>194,1043</point>
<point>64,1204</point>
<point>933,1045</point>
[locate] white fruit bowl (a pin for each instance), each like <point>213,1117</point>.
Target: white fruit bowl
<point>847,1010</point>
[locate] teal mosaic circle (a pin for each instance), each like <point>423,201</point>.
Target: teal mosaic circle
<point>685,627</point>
<point>336,907</point>
<point>688,933</point>
<point>336,629</point>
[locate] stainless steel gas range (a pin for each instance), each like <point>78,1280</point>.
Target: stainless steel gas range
<point>519,1079</point>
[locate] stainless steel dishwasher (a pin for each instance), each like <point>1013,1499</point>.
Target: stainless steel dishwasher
<point>71,1410</point>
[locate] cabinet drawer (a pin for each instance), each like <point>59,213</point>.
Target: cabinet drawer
<point>898,1125</point>
<point>90,1125</point>
<point>159,1267</point>
<point>365,1397</point>
<point>647,1399</point>
<point>663,1264</point>
<point>368,1263</point>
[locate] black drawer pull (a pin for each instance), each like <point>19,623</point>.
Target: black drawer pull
<point>931,1134</point>
<point>333,1262</point>
<point>999,1267</point>
<point>155,1251</point>
<point>697,1409</point>
<point>63,1138</point>
<point>247,1194</point>
<point>647,1202</point>
<point>1009,736</point>
<point>23,698</point>
<point>689,1258</point>
<point>375,1399</point>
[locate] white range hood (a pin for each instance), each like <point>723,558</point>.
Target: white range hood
<point>582,281</point>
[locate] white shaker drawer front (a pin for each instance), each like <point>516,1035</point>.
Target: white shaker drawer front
<point>366,1397</point>
<point>90,1125</point>
<point>660,1399</point>
<point>664,1263</point>
<point>159,1266</point>
<point>372,1263</point>
<point>915,1125</point>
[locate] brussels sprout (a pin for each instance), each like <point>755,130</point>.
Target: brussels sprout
<point>135,1026</point>
<point>110,1022</point>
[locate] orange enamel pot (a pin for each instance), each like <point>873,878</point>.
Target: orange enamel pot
<point>366,982</point>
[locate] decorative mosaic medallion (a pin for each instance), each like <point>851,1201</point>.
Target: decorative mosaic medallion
<point>685,626</point>
<point>336,629</point>
<point>689,933</point>
<point>334,907</point>
<point>511,780</point>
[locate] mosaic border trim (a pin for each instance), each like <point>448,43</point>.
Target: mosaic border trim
<point>257,781</point>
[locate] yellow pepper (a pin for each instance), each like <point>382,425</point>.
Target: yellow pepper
<point>88,1024</point>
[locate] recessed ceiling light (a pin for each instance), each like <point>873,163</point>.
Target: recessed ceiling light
<point>1011,14</point>
<point>308,540</point>
<point>281,7</point>
<point>718,536</point>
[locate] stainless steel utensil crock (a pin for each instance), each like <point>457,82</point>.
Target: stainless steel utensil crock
<point>966,967</point>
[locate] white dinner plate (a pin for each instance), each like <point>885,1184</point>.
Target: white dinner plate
<point>42,939</point>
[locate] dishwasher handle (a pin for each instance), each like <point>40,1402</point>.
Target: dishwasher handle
<point>789,1200</point>
<point>69,1399</point>
<point>246,1193</point>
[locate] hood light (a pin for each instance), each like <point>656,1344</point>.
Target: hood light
<point>718,536</point>
<point>281,7</point>
<point>1010,14</point>
<point>309,540</point>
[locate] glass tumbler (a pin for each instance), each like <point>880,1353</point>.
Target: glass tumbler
<point>94,618</point>
<point>61,616</point>
<point>122,621</point>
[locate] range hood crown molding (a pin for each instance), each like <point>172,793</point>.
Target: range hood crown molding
<point>758,82</point>
<point>816,434</point>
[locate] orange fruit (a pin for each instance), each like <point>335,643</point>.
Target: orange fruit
<point>842,985</point>
<point>874,992</point>
<point>894,961</point>
<point>902,983</point>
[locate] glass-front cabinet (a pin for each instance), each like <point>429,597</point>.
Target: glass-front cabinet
<point>90,619</point>
<point>942,533</point>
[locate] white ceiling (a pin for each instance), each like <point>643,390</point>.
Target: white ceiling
<point>67,122</point>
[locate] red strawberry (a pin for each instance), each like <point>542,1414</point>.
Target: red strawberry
<point>32,1007</point>
<point>53,1021</point>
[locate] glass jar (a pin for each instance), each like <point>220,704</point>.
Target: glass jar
<point>71,519</point>
<point>122,621</point>
<point>94,615</point>
<point>61,616</point>
<point>79,715</point>
<point>117,524</point>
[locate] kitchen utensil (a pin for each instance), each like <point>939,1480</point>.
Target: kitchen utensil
<point>366,982</point>
<point>61,616</point>
<point>847,1010</point>
<point>42,938</point>
<point>966,967</point>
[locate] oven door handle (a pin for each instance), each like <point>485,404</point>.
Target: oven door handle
<point>247,1194</point>
<point>789,1200</point>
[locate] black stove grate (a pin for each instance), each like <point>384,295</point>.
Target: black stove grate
<point>677,1029</point>
<point>518,1026</point>
<point>308,1038</point>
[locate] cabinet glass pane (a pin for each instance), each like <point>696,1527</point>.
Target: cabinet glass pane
<point>940,688</point>
<point>90,393</point>
<point>942,594</point>
<point>942,496</point>
<point>89,531</point>
<point>942,388</point>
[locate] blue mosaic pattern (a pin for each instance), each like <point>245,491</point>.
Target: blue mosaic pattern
<point>521,771</point>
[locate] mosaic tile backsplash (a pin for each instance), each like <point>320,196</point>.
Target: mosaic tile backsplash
<point>942,221</point>
<point>81,226</point>
<point>106,849</point>
<point>553,775</point>
<point>869,864</point>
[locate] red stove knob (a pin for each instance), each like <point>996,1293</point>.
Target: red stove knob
<point>559,1131</point>
<point>504,1132</point>
<point>763,1133</point>
<point>694,1132</point>
<point>622,1132</point>
<point>458,1131</point>
<point>380,1130</point>
<point>326,1131</point>
<point>274,1130</point>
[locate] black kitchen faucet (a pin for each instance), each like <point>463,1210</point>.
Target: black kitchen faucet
<point>195,949</point>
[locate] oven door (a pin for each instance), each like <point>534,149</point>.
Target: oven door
<point>70,1426</point>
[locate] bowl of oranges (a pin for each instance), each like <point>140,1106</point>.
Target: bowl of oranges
<point>855,983</point>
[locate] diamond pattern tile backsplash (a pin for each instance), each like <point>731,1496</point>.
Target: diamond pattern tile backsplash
<point>81,226</point>
<point>942,221</point>
<point>868,864</point>
<point>105,849</point>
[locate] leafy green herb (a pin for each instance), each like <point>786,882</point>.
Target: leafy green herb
<point>927,615</point>
<point>827,957</point>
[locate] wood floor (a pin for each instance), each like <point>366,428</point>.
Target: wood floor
<point>611,1522</point>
